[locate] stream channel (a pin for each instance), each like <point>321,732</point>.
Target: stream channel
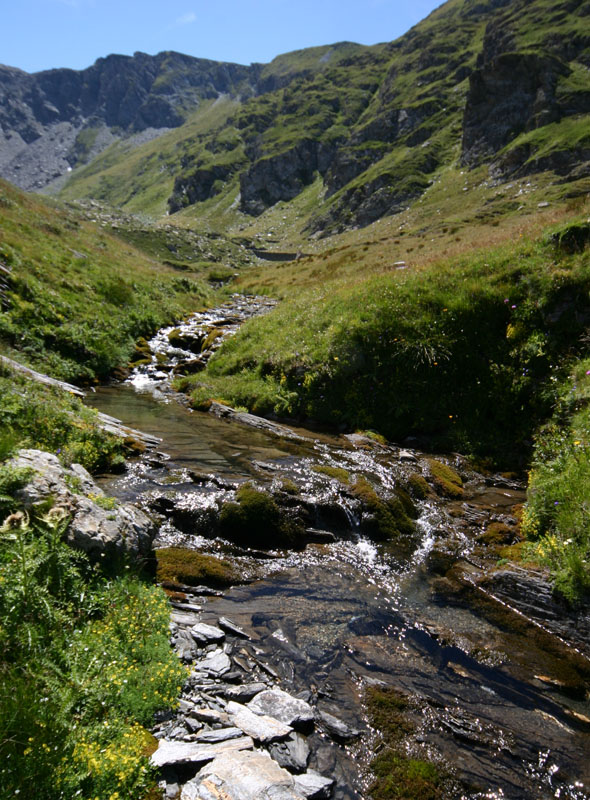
<point>496,693</point>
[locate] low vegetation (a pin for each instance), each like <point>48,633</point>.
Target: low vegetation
<point>84,664</point>
<point>177,565</point>
<point>78,298</point>
<point>556,517</point>
<point>36,416</point>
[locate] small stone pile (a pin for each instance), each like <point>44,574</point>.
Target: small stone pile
<point>236,734</point>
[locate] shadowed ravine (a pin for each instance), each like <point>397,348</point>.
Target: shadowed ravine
<point>500,697</point>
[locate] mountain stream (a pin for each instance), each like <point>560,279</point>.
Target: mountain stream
<point>498,681</point>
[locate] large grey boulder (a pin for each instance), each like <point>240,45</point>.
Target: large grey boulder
<point>282,706</point>
<point>242,776</point>
<point>93,528</point>
<point>259,727</point>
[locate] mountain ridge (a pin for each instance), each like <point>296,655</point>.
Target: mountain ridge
<point>477,82</point>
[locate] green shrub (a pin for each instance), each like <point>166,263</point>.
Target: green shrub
<point>37,416</point>
<point>556,518</point>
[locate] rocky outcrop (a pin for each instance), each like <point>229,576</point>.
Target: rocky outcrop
<point>97,525</point>
<point>198,186</point>
<point>513,93</point>
<point>282,176</point>
<point>47,118</point>
<point>232,735</point>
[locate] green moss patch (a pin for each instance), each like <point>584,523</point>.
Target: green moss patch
<point>497,533</point>
<point>398,775</point>
<point>384,519</point>
<point>256,520</point>
<point>418,486</point>
<point>338,473</point>
<point>178,565</point>
<point>446,480</point>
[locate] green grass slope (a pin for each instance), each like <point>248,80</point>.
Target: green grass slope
<point>77,297</point>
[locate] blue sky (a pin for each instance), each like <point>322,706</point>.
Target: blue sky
<point>41,34</point>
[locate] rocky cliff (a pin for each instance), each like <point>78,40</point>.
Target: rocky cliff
<point>54,120</point>
<point>498,82</point>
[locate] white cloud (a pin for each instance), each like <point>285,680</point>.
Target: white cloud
<point>186,19</point>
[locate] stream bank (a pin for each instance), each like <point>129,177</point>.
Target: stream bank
<point>498,679</point>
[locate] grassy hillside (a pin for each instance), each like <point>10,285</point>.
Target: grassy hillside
<point>78,297</point>
<point>141,179</point>
<point>463,352</point>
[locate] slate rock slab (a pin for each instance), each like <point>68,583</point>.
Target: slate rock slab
<point>313,785</point>
<point>216,664</point>
<point>336,728</point>
<point>242,776</point>
<point>259,727</point>
<point>206,634</point>
<point>282,706</point>
<point>172,753</point>
<point>292,754</point>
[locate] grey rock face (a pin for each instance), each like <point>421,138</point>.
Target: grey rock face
<point>93,529</point>
<point>244,776</point>
<point>292,754</point>
<point>282,706</point>
<point>42,114</point>
<point>171,753</point>
<point>279,177</point>
<point>514,92</point>
<point>313,785</point>
<point>261,728</point>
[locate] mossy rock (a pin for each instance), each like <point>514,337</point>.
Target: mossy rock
<point>446,481</point>
<point>398,775</point>
<point>177,565</point>
<point>497,533</point>
<point>175,337</point>
<point>289,487</point>
<point>211,337</point>
<point>574,238</point>
<point>385,519</point>
<point>418,486</point>
<point>142,350</point>
<point>256,520</point>
<point>338,473</point>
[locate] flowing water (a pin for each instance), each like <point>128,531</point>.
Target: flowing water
<point>505,704</point>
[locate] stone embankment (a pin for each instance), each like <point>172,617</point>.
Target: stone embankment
<point>236,735</point>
